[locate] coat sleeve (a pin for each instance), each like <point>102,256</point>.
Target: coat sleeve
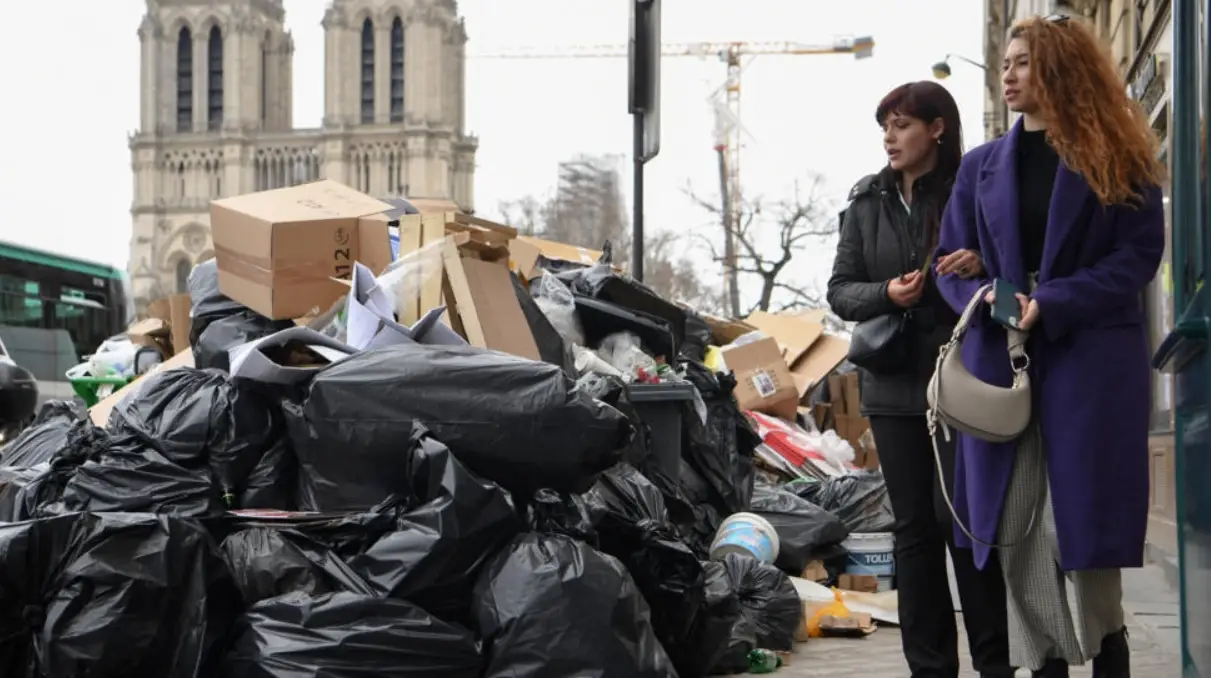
<point>1116,280</point>
<point>959,232</point>
<point>852,295</point>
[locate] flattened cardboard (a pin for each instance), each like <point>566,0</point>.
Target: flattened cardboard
<point>795,335</point>
<point>529,255</point>
<point>482,305</point>
<point>278,250</point>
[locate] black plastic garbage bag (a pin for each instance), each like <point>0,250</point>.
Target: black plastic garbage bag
<point>45,437</point>
<point>206,302</point>
<point>770,611</point>
<point>697,337</point>
<point>569,515</point>
<point>613,392</point>
<point>549,606</point>
<point>346,635</point>
<point>721,450</point>
<point>225,333</point>
<point>859,499</point>
<point>805,531</point>
<point>129,477</point>
<point>438,547</point>
<point>517,422</point>
<point>36,491</point>
<point>202,420</point>
<point>601,282</point>
<point>112,596</point>
<point>266,562</point>
<point>635,529</point>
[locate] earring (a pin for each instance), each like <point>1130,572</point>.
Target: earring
<point>939,141</point>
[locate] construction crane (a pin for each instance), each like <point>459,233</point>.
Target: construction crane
<point>727,120</point>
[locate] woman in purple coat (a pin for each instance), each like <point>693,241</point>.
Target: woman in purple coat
<point>1067,207</point>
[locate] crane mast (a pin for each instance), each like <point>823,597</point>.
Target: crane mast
<point>727,121</point>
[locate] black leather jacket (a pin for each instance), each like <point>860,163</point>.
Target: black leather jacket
<point>881,240</point>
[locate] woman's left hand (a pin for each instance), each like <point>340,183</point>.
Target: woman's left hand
<point>966,264</point>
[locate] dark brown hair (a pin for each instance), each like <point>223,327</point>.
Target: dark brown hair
<point>928,101</point>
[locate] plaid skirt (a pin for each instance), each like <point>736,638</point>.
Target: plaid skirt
<point>1052,614</point>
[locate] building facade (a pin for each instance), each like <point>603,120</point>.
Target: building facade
<point>216,116</point>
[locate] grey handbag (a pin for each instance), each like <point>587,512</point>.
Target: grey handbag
<point>958,400</point>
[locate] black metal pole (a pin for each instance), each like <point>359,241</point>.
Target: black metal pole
<point>637,200</point>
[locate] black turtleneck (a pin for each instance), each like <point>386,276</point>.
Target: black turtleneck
<point>1037,165</point>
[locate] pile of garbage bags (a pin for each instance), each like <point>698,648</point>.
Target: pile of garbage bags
<point>411,510</point>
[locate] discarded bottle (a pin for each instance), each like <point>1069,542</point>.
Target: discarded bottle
<point>763,661</point>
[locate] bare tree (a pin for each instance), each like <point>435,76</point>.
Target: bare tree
<point>767,239</point>
<point>675,277</point>
<point>525,214</point>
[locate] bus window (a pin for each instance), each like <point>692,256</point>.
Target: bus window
<point>19,303</point>
<point>85,318</point>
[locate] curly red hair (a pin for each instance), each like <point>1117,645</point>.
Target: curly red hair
<point>1094,126</point>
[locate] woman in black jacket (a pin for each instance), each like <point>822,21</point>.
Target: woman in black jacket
<point>882,278</point>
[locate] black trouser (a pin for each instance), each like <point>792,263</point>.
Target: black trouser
<point>924,530</point>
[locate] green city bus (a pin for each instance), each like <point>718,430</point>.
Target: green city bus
<point>56,310</point>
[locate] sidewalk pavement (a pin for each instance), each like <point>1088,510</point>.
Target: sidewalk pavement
<point>1152,622</point>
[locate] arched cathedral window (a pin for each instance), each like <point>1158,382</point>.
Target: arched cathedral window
<point>214,79</point>
<point>397,70</point>
<point>367,72</point>
<point>184,81</point>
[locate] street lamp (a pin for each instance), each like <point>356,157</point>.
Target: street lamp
<point>941,70</point>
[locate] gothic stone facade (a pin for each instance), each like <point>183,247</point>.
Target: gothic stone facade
<point>216,116</point>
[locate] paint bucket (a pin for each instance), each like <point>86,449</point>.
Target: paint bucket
<point>747,534</point>
<point>872,553</point>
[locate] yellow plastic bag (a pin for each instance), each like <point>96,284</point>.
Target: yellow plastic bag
<point>834,609</point>
<point>713,359</point>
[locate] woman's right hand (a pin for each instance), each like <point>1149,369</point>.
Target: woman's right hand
<point>906,290</point>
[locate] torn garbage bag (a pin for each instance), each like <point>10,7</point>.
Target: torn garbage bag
<point>201,420</point>
<point>112,596</point>
<point>455,522</point>
<point>770,611</point>
<point>635,529</point>
<point>859,499</point>
<point>346,635</point>
<point>45,437</point>
<point>549,606</point>
<point>805,531</point>
<point>517,422</point>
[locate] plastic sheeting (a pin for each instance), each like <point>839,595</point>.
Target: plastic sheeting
<point>805,531</point>
<point>517,422</point>
<point>551,607</point>
<point>111,596</point>
<point>346,635</point>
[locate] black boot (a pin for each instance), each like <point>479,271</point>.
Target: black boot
<point>1054,668</point>
<point>1114,660</point>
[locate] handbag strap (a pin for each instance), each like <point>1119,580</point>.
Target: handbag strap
<point>1017,338</point>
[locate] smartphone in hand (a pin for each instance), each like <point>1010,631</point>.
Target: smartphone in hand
<point>1006,309</point>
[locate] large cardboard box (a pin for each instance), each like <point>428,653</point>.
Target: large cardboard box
<point>278,251</point>
<point>531,255</point>
<point>763,381</point>
<point>810,354</point>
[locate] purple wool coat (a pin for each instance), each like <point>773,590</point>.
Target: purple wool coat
<point>1089,355</point>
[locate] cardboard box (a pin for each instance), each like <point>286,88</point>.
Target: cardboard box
<point>763,381</point>
<point>851,426</point>
<point>530,255</point>
<point>153,333</point>
<point>421,235</point>
<point>810,354</point>
<point>278,251</point>
<point>173,310</point>
<point>482,305</point>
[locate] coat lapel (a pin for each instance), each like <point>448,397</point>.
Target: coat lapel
<point>1068,200</point>
<point>998,197</point>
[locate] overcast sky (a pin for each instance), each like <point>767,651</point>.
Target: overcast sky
<point>70,102</point>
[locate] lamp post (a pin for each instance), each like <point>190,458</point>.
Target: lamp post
<point>941,70</point>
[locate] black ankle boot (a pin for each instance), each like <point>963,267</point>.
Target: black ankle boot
<point>1054,668</point>
<point>1114,660</point>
